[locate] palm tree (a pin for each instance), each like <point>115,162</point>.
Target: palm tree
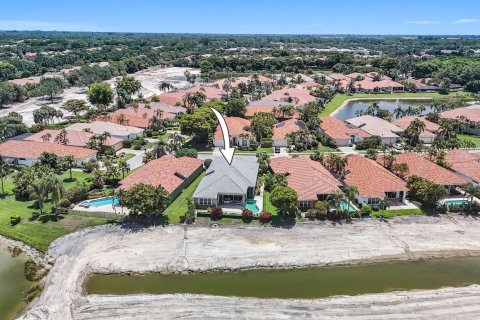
<point>40,190</point>
<point>121,119</point>
<point>4,169</point>
<point>471,191</point>
<point>124,167</point>
<point>383,204</point>
<point>351,192</point>
<point>286,110</point>
<point>55,186</point>
<point>227,86</point>
<point>70,162</point>
<point>165,86</point>
<point>398,112</point>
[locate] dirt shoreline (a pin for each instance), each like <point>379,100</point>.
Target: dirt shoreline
<point>116,249</point>
<point>29,251</point>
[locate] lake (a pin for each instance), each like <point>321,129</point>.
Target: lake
<point>306,283</point>
<point>351,107</point>
<point>12,283</point>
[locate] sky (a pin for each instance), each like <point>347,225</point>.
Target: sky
<point>412,17</point>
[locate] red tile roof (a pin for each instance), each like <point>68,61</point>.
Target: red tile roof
<point>295,96</point>
<point>163,172</point>
<point>174,97</point>
<point>136,118</point>
<point>267,107</point>
<point>471,113</point>
<point>339,76</point>
<point>422,167</point>
<point>465,163</point>
<point>337,129</point>
<point>236,127</point>
<point>368,84</point>
<point>430,127</point>
<point>75,138</point>
<point>307,177</point>
<point>33,150</point>
<point>282,129</point>
<point>371,179</point>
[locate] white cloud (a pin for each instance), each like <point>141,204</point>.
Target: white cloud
<point>423,22</point>
<point>466,20</point>
<point>44,25</point>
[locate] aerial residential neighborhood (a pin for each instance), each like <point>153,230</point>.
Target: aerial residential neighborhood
<point>258,161</point>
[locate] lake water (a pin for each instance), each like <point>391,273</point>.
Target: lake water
<point>349,110</point>
<point>12,283</point>
<point>299,283</point>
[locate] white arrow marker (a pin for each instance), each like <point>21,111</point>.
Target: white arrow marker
<point>227,152</point>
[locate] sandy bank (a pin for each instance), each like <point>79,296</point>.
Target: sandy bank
<point>172,249</point>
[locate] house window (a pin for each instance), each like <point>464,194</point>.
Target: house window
<point>305,204</point>
<point>391,195</point>
<point>204,202</point>
<point>372,200</point>
<point>322,197</point>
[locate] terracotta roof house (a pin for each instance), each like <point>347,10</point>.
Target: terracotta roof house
<point>75,138</point>
<point>341,132</point>
<point>427,135</point>
<point>166,107</point>
<point>171,173</point>
<point>368,85</point>
<point>470,116</point>
<point>465,164</point>
<point>136,118</point>
<point>339,76</point>
<point>176,97</point>
<point>236,128</point>
<point>358,75</point>
<point>388,132</point>
<point>282,129</point>
<point>422,86</point>
<point>267,106</point>
<point>307,85</point>
<point>294,96</point>
<point>373,181</point>
<point>308,178</point>
<point>226,184</point>
<point>115,130</point>
<point>27,152</point>
<point>422,167</point>
<point>304,77</point>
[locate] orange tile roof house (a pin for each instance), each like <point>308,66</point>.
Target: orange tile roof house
<point>176,97</point>
<point>373,181</point>
<point>388,132</point>
<point>282,129</point>
<point>267,106</point>
<point>236,128</point>
<point>75,138</point>
<point>27,152</point>
<point>422,167</point>
<point>470,116</point>
<point>139,117</point>
<point>308,178</point>
<point>115,130</point>
<point>294,96</point>
<point>427,135</point>
<point>165,107</point>
<point>173,174</point>
<point>341,132</point>
<point>465,164</point>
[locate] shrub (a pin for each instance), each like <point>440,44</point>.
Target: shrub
<point>366,210</point>
<point>311,214</point>
<point>266,143</point>
<point>64,203</point>
<point>31,271</point>
<point>207,163</point>
<point>127,143</point>
<point>265,217</point>
<point>14,220</point>
<point>216,213</point>
<point>31,293</point>
<point>137,147</point>
<point>247,215</point>
<point>372,142</point>
<point>76,193</point>
<point>186,152</point>
<point>148,132</point>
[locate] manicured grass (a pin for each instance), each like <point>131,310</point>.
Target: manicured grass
<point>179,206</point>
<point>198,143</point>
<point>474,139</point>
<point>40,231</point>
<point>394,213</point>
<point>129,156</point>
<point>340,98</point>
<point>268,206</point>
<point>163,137</point>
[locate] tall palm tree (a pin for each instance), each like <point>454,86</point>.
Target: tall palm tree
<point>398,112</point>
<point>55,187</point>
<point>70,162</point>
<point>471,191</point>
<point>121,119</point>
<point>124,167</point>
<point>286,110</point>
<point>4,169</point>
<point>165,86</point>
<point>383,204</point>
<point>40,189</point>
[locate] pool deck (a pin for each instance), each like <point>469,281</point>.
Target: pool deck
<point>106,208</point>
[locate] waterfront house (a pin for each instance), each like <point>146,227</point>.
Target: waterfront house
<point>342,133</point>
<point>388,132</point>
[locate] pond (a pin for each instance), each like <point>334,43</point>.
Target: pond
<point>306,283</point>
<point>12,283</point>
<point>351,107</point>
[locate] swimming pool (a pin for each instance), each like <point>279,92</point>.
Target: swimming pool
<point>347,206</point>
<point>456,202</point>
<point>252,205</point>
<point>102,202</point>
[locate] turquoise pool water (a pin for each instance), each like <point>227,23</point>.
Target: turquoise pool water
<point>252,205</point>
<point>347,206</point>
<point>103,202</point>
<point>456,202</point>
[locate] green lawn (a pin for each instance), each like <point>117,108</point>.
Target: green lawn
<point>268,206</point>
<point>341,98</point>
<point>129,156</point>
<point>474,139</point>
<point>394,213</point>
<point>179,206</point>
<point>163,137</point>
<point>40,231</point>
